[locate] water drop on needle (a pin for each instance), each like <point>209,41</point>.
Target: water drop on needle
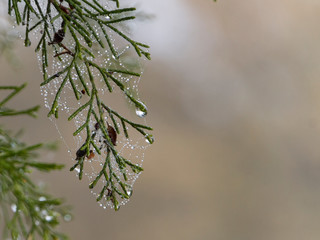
<point>140,113</point>
<point>48,218</point>
<point>149,138</point>
<point>132,148</point>
<point>141,110</point>
<point>14,208</point>
<point>42,198</point>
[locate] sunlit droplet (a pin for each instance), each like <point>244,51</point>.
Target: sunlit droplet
<point>42,198</point>
<point>48,218</point>
<point>141,113</point>
<point>149,138</point>
<point>141,109</point>
<point>129,192</point>
<point>14,208</point>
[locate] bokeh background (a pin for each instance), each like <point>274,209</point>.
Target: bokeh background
<point>233,96</point>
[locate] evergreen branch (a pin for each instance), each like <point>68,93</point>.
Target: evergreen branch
<point>117,2</point>
<point>133,43</point>
<point>116,20</point>
<point>27,212</point>
<point>114,53</point>
<point>124,72</point>
<point>116,11</point>
<point>102,172</point>
<point>16,90</point>
<point>5,112</point>
<point>86,23</point>
<point>79,110</point>
<point>11,112</point>
<point>138,127</point>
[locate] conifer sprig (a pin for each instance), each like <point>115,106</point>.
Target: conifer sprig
<point>88,24</point>
<point>4,111</point>
<point>27,212</point>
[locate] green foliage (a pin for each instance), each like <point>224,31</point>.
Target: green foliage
<point>6,47</point>
<point>26,211</point>
<point>11,112</point>
<point>88,24</point>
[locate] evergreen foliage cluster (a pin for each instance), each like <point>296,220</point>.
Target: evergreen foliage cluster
<point>73,37</point>
<point>27,211</point>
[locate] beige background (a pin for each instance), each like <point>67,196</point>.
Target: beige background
<point>233,92</point>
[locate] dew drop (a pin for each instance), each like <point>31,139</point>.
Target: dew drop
<point>48,218</point>
<point>141,113</point>
<point>149,138</point>
<point>44,212</point>
<point>129,192</point>
<point>42,198</point>
<point>67,217</point>
<point>141,109</point>
<point>13,208</point>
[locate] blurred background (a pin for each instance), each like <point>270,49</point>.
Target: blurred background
<point>233,95</point>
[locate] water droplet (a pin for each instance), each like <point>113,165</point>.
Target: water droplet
<point>67,217</point>
<point>14,208</point>
<point>141,113</point>
<point>149,138</point>
<point>48,218</point>
<point>129,192</point>
<point>42,198</point>
<point>44,212</point>
<point>141,109</point>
